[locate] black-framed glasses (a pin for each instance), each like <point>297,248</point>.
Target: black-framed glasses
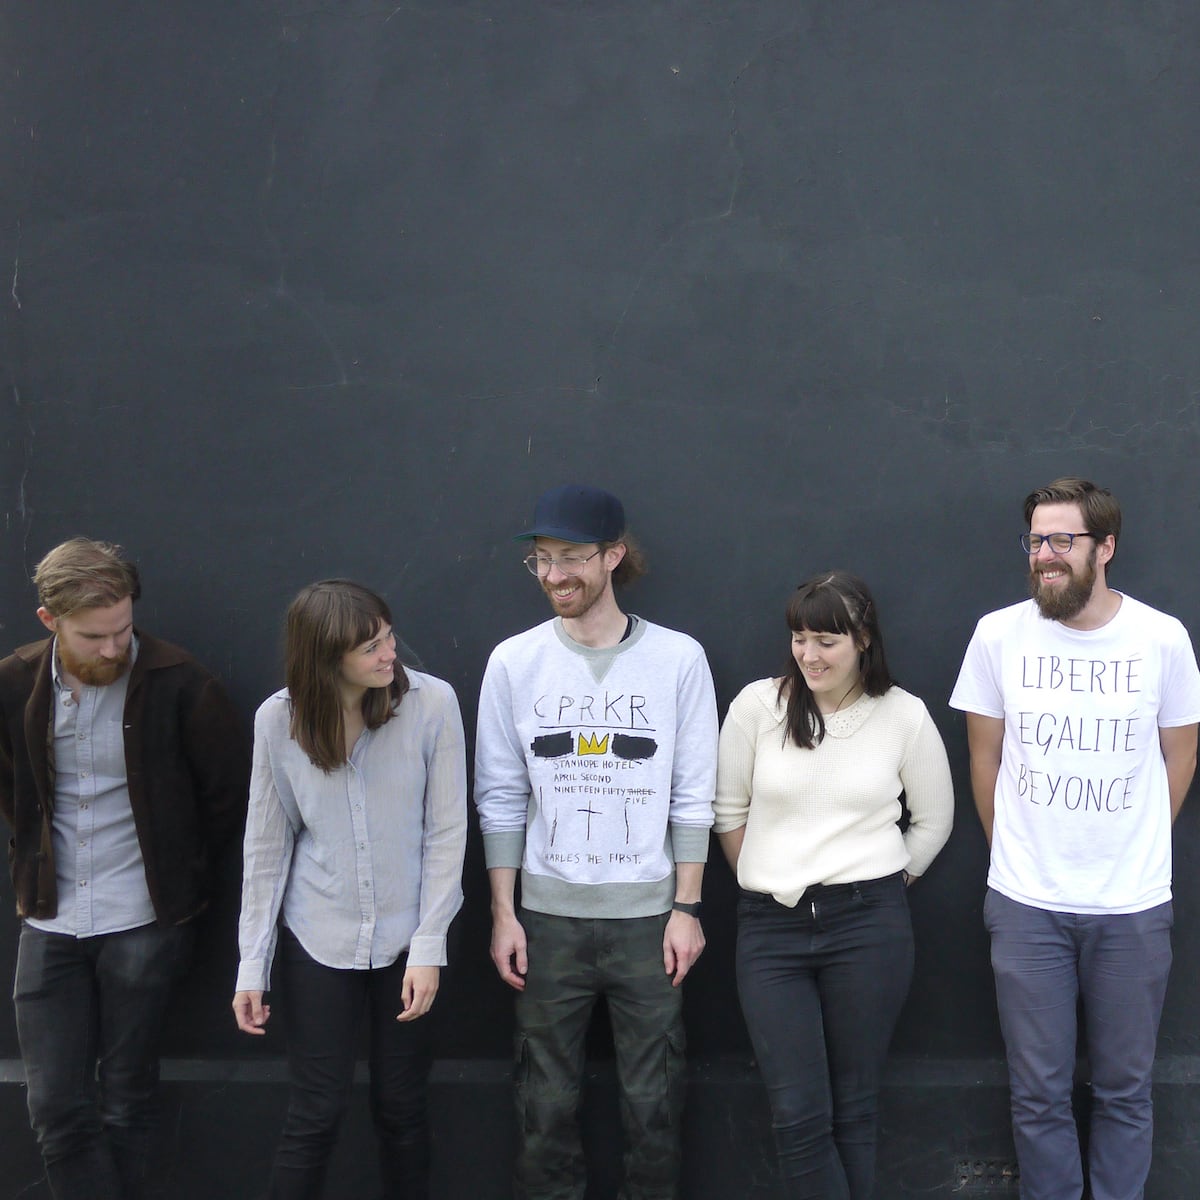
<point>568,564</point>
<point>1059,543</point>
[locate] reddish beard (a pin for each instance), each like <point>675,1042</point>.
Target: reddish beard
<point>94,672</point>
<point>582,601</point>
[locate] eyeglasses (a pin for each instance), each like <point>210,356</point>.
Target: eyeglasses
<point>568,564</point>
<point>1059,543</point>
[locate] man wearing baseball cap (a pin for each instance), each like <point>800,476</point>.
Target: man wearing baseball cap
<point>595,773</point>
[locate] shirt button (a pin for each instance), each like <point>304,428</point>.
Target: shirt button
<point>83,883</point>
<point>83,774</point>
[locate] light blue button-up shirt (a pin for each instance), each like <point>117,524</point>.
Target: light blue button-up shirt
<point>97,859</point>
<point>364,862</point>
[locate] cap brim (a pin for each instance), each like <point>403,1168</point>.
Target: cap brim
<point>556,531</point>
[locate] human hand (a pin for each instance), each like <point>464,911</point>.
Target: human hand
<point>509,951</point>
<point>417,992</point>
<point>250,1012</point>
<point>683,943</point>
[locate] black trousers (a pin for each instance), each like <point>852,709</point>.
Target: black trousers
<point>89,1015</point>
<point>821,986</point>
<point>324,1008</point>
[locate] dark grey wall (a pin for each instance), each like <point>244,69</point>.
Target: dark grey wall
<point>297,289</point>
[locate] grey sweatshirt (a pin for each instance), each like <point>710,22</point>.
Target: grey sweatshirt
<point>595,770</point>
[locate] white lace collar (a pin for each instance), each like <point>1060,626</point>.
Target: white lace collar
<point>848,721</point>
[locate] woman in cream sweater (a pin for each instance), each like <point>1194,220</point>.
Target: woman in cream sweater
<point>811,770</point>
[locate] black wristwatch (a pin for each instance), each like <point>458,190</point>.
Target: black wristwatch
<point>692,910</point>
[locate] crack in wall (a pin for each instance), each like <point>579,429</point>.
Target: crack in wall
<point>23,510</point>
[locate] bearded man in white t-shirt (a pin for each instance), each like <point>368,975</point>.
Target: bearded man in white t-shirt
<point>1082,708</point>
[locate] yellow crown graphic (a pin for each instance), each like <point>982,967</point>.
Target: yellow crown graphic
<point>590,744</point>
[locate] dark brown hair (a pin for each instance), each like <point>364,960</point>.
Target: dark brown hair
<point>81,573</point>
<point>1098,506</point>
<point>832,602</point>
<point>324,622</point>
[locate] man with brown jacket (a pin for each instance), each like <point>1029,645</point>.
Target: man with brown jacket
<point>122,767</point>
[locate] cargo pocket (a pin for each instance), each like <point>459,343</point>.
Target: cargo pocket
<point>675,1077</point>
<point>520,1076</point>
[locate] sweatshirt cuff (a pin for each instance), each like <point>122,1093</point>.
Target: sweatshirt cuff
<point>504,849</point>
<point>689,843</point>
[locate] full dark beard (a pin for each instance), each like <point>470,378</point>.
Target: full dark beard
<point>1066,602</point>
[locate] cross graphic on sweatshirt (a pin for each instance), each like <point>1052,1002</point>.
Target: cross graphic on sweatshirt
<point>591,812</point>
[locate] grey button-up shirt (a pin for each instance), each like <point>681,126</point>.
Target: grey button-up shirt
<point>97,859</point>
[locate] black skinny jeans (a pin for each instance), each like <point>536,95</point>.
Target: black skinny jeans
<point>324,1007</point>
<point>821,986</point>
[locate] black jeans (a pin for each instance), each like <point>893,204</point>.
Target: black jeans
<point>324,1007</point>
<point>90,1014</point>
<point>821,986</point>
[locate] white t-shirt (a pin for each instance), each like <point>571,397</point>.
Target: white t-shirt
<point>1082,817</point>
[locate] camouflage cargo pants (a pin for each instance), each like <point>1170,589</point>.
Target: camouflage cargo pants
<point>572,961</point>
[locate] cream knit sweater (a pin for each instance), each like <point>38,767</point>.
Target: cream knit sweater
<point>830,814</point>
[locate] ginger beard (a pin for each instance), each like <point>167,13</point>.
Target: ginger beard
<point>94,672</point>
<point>1062,603</point>
<point>585,594</point>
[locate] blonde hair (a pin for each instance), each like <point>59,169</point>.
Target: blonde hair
<point>81,573</point>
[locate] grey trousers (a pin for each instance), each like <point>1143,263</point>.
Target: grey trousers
<point>572,961</point>
<point>1117,964</point>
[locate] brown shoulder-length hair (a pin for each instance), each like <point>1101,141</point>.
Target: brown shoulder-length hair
<point>633,566</point>
<point>832,602</point>
<point>324,622</point>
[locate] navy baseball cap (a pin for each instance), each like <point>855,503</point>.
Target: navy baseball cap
<point>575,512</point>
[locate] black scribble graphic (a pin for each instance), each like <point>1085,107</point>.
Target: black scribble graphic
<point>553,745</point>
<point>626,746</point>
<point>554,823</point>
<point>627,820</point>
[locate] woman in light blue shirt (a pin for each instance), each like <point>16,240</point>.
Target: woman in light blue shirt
<point>353,860</point>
